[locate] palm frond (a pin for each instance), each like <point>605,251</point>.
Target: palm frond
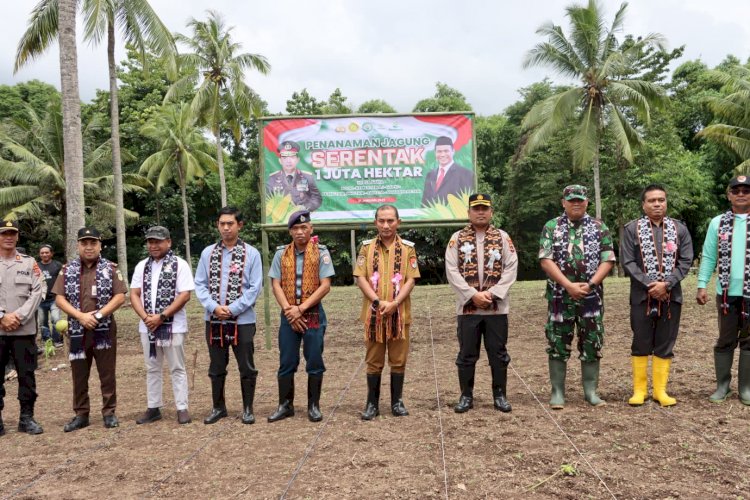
<point>41,31</point>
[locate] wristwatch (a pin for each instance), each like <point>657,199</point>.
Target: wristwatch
<point>98,316</point>
<point>591,284</point>
<point>163,317</point>
<point>376,303</point>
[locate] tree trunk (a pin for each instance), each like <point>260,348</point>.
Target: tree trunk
<point>114,114</point>
<point>220,163</point>
<point>72,141</point>
<point>597,187</point>
<point>185,225</point>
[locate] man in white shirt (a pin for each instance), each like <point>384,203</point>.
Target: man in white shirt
<point>160,288</point>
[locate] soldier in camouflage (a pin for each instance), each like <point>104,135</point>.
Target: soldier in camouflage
<point>575,250</point>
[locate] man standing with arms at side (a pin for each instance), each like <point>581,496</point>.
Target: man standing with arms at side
<point>228,281</point>
<point>21,290</point>
<point>48,313</point>
<point>726,243</point>
<point>159,291</point>
<point>481,265</point>
<point>301,276</point>
<point>89,290</point>
<point>656,252</point>
<point>575,250</point>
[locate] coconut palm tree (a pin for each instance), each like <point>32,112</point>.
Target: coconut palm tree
<point>183,154</point>
<point>32,168</point>
<point>605,100</point>
<point>140,26</point>
<point>732,111</point>
<point>216,66</point>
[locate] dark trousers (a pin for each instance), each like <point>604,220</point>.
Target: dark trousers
<point>22,350</point>
<point>471,329</point>
<point>243,353</point>
<point>732,330</point>
<point>45,313</point>
<point>106,364</point>
<point>312,347</point>
<point>655,336</point>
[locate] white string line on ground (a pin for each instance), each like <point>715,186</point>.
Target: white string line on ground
<point>440,413</point>
<point>549,415</point>
<point>315,439</point>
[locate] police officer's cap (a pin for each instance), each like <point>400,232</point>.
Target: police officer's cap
<point>479,199</point>
<point>288,148</point>
<point>8,225</point>
<point>298,217</point>
<point>89,233</point>
<point>157,233</point>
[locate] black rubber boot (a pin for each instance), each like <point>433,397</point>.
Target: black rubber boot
<point>723,365</point>
<point>2,425</point>
<point>26,422</point>
<point>286,399</point>
<point>219,409</point>
<point>466,381</point>
<point>373,397</point>
<point>499,387</point>
<point>397,389</point>
<point>248,397</point>
<point>314,386</point>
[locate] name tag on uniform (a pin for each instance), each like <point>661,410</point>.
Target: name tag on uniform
<point>93,290</point>
<point>302,186</point>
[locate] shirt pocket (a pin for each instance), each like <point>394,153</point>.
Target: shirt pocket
<point>23,285</point>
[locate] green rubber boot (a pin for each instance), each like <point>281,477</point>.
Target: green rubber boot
<point>590,379</point>
<point>557,369</point>
<point>723,365</point>
<point>743,377</point>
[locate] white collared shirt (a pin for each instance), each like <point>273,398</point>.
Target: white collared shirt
<point>184,284</point>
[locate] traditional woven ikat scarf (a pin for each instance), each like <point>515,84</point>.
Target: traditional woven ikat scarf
<point>165,294</point>
<point>72,287</point>
<point>310,278</point>
<point>377,328</point>
<point>225,330</point>
<point>592,303</point>
<point>493,261</point>
<point>726,226</point>
<point>654,269</point>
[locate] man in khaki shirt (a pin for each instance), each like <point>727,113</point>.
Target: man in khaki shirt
<point>481,265</point>
<point>386,271</point>
<point>89,290</point>
<point>21,291</point>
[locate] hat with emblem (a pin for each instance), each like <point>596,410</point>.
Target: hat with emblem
<point>288,148</point>
<point>157,233</point>
<point>8,225</point>
<point>575,192</point>
<point>298,217</point>
<point>89,233</point>
<point>480,199</point>
<point>740,180</point>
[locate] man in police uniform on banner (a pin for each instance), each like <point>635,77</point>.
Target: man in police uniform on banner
<point>656,252</point>
<point>481,265</point>
<point>576,253</point>
<point>726,244</point>
<point>290,180</point>
<point>228,281</point>
<point>301,276</point>
<point>386,271</point>
<point>22,289</point>
<point>89,290</point>
<point>159,291</point>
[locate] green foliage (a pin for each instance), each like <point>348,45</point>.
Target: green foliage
<point>35,93</point>
<point>445,99</point>
<point>302,104</point>
<point>375,106</point>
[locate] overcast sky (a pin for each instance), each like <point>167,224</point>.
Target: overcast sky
<point>397,50</point>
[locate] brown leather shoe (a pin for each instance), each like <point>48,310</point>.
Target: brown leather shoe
<point>183,417</point>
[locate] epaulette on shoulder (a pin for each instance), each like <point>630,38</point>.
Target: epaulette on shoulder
<point>367,242</point>
<point>281,247</point>
<point>322,247</point>
<point>407,242</point>
<point>632,222</point>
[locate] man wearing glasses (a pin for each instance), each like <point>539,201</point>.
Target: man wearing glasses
<point>726,245</point>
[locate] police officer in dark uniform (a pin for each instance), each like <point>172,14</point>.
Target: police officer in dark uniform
<point>21,291</point>
<point>290,180</point>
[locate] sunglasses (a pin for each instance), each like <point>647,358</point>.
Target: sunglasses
<point>745,190</point>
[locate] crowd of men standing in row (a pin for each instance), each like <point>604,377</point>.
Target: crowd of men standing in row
<point>575,251</point>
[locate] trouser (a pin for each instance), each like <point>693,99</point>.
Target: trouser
<point>732,331</point>
<point>398,351</point>
<point>471,329</point>
<point>106,364</point>
<point>22,350</point>
<point>48,311</point>
<point>243,353</point>
<point>655,336</point>
<point>175,356</point>
<point>560,334</point>
<point>312,347</point>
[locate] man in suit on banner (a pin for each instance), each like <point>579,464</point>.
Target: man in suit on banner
<point>448,178</point>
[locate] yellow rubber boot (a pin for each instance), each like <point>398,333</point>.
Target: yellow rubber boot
<point>660,368</point>
<point>640,380</point>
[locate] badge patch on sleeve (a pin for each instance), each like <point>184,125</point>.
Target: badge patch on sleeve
<point>119,275</point>
<point>326,259</point>
<point>413,262</point>
<point>361,260</point>
<point>37,271</point>
<point>510,245</point>
<point>451,243</point>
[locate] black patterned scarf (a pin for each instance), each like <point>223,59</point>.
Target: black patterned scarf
<point>657,269</point>
<point>726,227</point>
<point>165,294</point>
<point>469,267</point>
<point>377,328</point>
<point>591,235</point>
<point>72,287</point>
<point>225,330</point>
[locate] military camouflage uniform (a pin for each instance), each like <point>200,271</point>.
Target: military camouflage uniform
<point>590,329</point>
